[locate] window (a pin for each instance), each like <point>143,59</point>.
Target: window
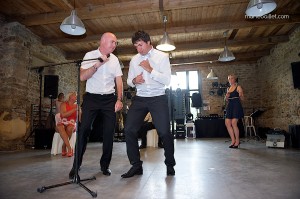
<point>188,82</point>
<point>185,80</point>
<point>193,80</point>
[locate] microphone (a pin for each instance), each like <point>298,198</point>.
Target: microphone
<point>101,60</point>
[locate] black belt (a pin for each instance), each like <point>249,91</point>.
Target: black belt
<point>111,94</point>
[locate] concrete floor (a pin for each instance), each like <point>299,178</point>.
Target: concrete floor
<point>206,168</point>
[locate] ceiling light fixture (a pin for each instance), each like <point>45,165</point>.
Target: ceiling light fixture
<point>226,55</point>
<point>73,25</point>
<point>212,75</point>
<point>258,8</point>
<point>165,44</point>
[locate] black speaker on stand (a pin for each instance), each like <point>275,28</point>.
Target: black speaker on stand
<point>197,102</point>
<point>51,86</point>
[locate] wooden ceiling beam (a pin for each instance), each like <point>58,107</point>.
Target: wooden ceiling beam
<point>118,9</point>
<point>200,45</point>
<point>92,12</point>
<point>179,4</point>
<point>176,30</point>
<point>213,58</point>
<point>232,43</point>
<point>195,65</point>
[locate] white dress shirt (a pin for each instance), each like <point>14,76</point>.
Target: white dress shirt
<point>103,80</point>
<point>156,81</point>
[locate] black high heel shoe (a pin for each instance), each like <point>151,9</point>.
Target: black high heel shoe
<point>236,146</point>
<point>231,146</point>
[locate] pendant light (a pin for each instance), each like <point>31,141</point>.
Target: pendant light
<point>212,75</point>
<point>258,8</point>
<point>72,25</point>
<point>226,55</point>
<point>165,44</point>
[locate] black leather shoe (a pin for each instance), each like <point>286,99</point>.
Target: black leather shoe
<point>170,171</point>
<point>142,146</point>
<point>106,171</point>
<point>133,171</point>
<point>160,145</point>
<point>72,173</point>
<point>231,146</point>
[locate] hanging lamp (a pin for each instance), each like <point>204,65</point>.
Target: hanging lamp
<point>226,55</point>
<point>73,25</point>
<point>166,43</point>
<point>258,8</point>
<point>212,75</point>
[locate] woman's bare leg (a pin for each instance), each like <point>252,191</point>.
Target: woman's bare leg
<point>64,135</point>
<point>228,123</point>
<point>69,131</point>
<point>236,131</point>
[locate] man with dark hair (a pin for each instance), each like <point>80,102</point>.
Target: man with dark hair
<point>149,71</point>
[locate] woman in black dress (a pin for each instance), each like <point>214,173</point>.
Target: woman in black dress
<point>234,110</point>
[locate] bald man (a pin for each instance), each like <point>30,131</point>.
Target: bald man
<point>104,93</point>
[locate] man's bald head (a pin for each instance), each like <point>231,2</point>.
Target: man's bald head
<point>108,43</point>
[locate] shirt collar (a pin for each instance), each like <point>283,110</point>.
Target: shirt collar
<point>148,55</point>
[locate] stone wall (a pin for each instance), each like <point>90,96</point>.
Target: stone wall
<point>20,86</point>
<point>278,96</point>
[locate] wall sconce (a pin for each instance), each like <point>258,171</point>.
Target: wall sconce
<point>166,43</point>
<point>258,8</point>
<point>73,25</point>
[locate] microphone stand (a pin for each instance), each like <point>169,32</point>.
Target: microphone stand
<point>76,179</point>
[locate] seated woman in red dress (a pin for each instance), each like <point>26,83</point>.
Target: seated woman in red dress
<point>66,124</point>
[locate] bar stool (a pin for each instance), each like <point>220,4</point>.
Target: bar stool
<point>249,125</point>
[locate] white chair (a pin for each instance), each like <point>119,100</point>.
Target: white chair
<point>57,141</point>
<point>152,138</point>
<point>249,125</point>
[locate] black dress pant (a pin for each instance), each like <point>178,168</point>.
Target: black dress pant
<point>94,104</point>
<point>158,108</point>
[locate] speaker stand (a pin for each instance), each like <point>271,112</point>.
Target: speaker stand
<point>40,71</point>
